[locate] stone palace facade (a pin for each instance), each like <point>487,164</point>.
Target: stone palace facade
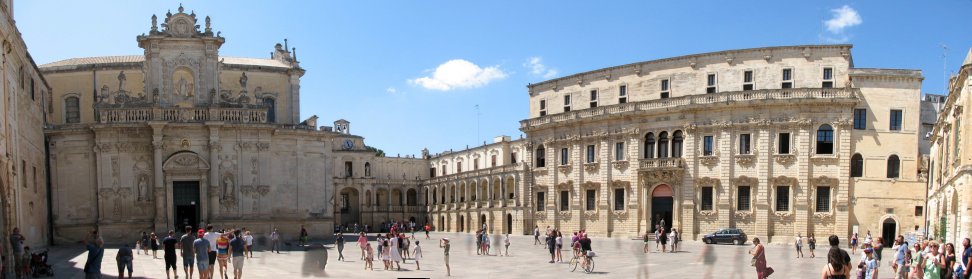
<point>776,141</point>
<point>182,135</point>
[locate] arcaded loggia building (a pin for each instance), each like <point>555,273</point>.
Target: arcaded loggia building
<point>777,141</point>
<point>182,135</point>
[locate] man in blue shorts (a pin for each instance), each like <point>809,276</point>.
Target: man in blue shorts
<point>185,243</point>
<point>201,248</point>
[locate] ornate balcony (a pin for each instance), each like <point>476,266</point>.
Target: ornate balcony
<point>661,164</point>
<point>697,101</point>
<point>108,115</point>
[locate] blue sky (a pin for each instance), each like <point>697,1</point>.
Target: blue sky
<point>374,62</point>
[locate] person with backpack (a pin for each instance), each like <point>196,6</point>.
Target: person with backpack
<point>536,235</point>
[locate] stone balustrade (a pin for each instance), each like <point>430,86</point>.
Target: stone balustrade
<point>504,169</point>
<point>145,114</point>
<point>705,99</point>
<point>660,163</point>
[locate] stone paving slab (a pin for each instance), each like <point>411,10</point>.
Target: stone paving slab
<point>617,258</point>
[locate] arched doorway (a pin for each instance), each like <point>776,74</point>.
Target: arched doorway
<point>462,223</point>
<point>662,203</point>
<point>349,207</point>
<point>482,221</point>
<point>889,229</point>
<point>509,223</point>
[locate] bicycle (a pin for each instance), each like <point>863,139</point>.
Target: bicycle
<point>575,261</point>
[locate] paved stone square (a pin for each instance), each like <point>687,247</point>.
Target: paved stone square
<point>617,258</point>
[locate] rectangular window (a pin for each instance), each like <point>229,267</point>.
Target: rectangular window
<point>492,161</point>
<point>622,94</point>
<point>860,119</point>
<point>541,200</point>
<point>564,200</point>
<point>742,198</point>
<point>513,158</point>
<point>566,103</point>
<point>665,92</point>
<point>590,153</point>
<point>748,80</point>
<point>475,164</point>
<point>591,199</point>
<point>23,172</point>
<point>895,120</point>
<point>710,83</point>
<point>543,107</point>
<point>32,88</point>
<point>444,170</point>
<point>706,203</point>
<point>349,169</point>
<point>828,77</point>
<point>564,155</point>
<point>783,144</point>
<point>619,199</point>
<point>707,146</point>
<point>787,79</point>
<point>432,172</point>
<point>782,198</point>
<point>72,110</point>
<point>593,98</point>
<point>619,151</point>
<point>744,144</point>
<point>823,199</point>
<point>458,167</point>
<point>919,211</point>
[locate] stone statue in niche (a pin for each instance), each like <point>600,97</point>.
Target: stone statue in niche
<point>184,88</point>
<point>243,80</point>
<point>143,191</point>
<point>121,81</point>
<point>208,25</point>
<point>228,187</point>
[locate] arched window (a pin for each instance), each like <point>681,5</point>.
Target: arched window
<point>663,145</point>
<point>857,165</point>
<point>541,157</point>
<point>271,109</point>
<point>677,139</point>
<point>649,146</point>
<point>825,139</point>
<point>894,167</point>
<point>72,110</point>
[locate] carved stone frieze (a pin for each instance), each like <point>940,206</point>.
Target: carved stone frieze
<point>619,214</point>
<point>745,160</point>
<point>620,165</point>
<point>591,167</point>
<point>186,160</point>
<point>785,159</point>
<point>708,181</point>
<point>784,181</point>
<point>709,160</point>
<point>564,169</point>
<point>822,160</point>
<point>671,177</point>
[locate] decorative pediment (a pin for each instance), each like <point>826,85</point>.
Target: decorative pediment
<point>745,181</point>
<point>180,25</point>
<point>824,181</point>
<point>566,185</point>
<point>185,161</point>
<point>784,181</point>
<point>672,177</point>
<point>591,184</point>
<point>708,181</point>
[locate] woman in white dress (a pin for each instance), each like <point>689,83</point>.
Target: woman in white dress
<point>393,254</point>
<point>417,255</point>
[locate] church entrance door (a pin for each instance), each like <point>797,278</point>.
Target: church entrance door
<point>185,196</point>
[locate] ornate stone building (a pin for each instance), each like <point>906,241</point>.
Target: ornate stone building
<point>23,109</point>
<point>949,196</point>
<point>776,141</point>
<point>183,135</point>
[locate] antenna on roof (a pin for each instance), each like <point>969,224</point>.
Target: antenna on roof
<point>945,67</point>
<point>285,44</point>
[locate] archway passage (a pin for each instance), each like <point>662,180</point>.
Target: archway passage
<point>662,205</point>
<point>349,207</point>
<point>888,231</point>
<point>482,221</point>
<point>462,223</point>
<point>185,196</point>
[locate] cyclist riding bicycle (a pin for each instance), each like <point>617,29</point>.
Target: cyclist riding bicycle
<point>585,246</point>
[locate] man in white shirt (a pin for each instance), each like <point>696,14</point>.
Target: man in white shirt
<point>211,237</point>
<point>248,238</point>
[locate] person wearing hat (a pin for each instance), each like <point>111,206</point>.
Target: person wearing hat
<point>200,247</point>
<point>444,244</point>
<point>869,264</point>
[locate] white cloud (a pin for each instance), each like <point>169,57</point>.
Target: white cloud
<point>391,90</point>
<point>843,17</point>
<point>457,74</point>
<point>536,66</point>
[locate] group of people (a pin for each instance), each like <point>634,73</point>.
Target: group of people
<point>393,249</point>
<point>811,244</point>
<point>554,241</point>
<point>667,241</point>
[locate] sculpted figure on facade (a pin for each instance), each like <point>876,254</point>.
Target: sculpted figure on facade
<point>143,191</point>
<point>121,81</point>
<point>228,187</point>
<point>184,88</point>
<point>243,80</point>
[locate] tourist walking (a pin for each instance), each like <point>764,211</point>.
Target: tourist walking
<point>812,244</point>
<point>222,252</point>
<point>966,258</point>
<point>536,235</point>
<point>663,238</point>
<point>369,257</point>
<point>932,265</point>
<point>303,235</point>
<point>339,242</point>
<point>275,241</point>
<point>878,247</point>
<point>798,242</point>
<point>124,260</point>
<point>393,254</point>
<point>506,243</point>
<point>403,246</point>
<point>551,245</point>
<point>185,245</point>
<point>201,248</point>
<point>96,252</point>
<point>657,236</point>
<point>853,244</point>
<point>169,254</point>
<point>17,245</point>
<point>427,229</point>
<point>869,264</point>
<point>417,255</point>
<point>837,267</point>
<point>759,260</point>
<point>248,238</point>
<point>154,243</point>
<point>673,238</point>
<point>647,239</point>
<point>237,250</point>
<point>560,246</point>
<point>948,258</point>
<point>210,237</point>
<point>363,244</point>
<point>145,242</point>
<point>384,254</point>
<point>900,258</point>
<point>444,244</point>
<point>916,259</point>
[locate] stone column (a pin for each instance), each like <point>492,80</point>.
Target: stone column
<point>214,163</point>
<point>159,187</point>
